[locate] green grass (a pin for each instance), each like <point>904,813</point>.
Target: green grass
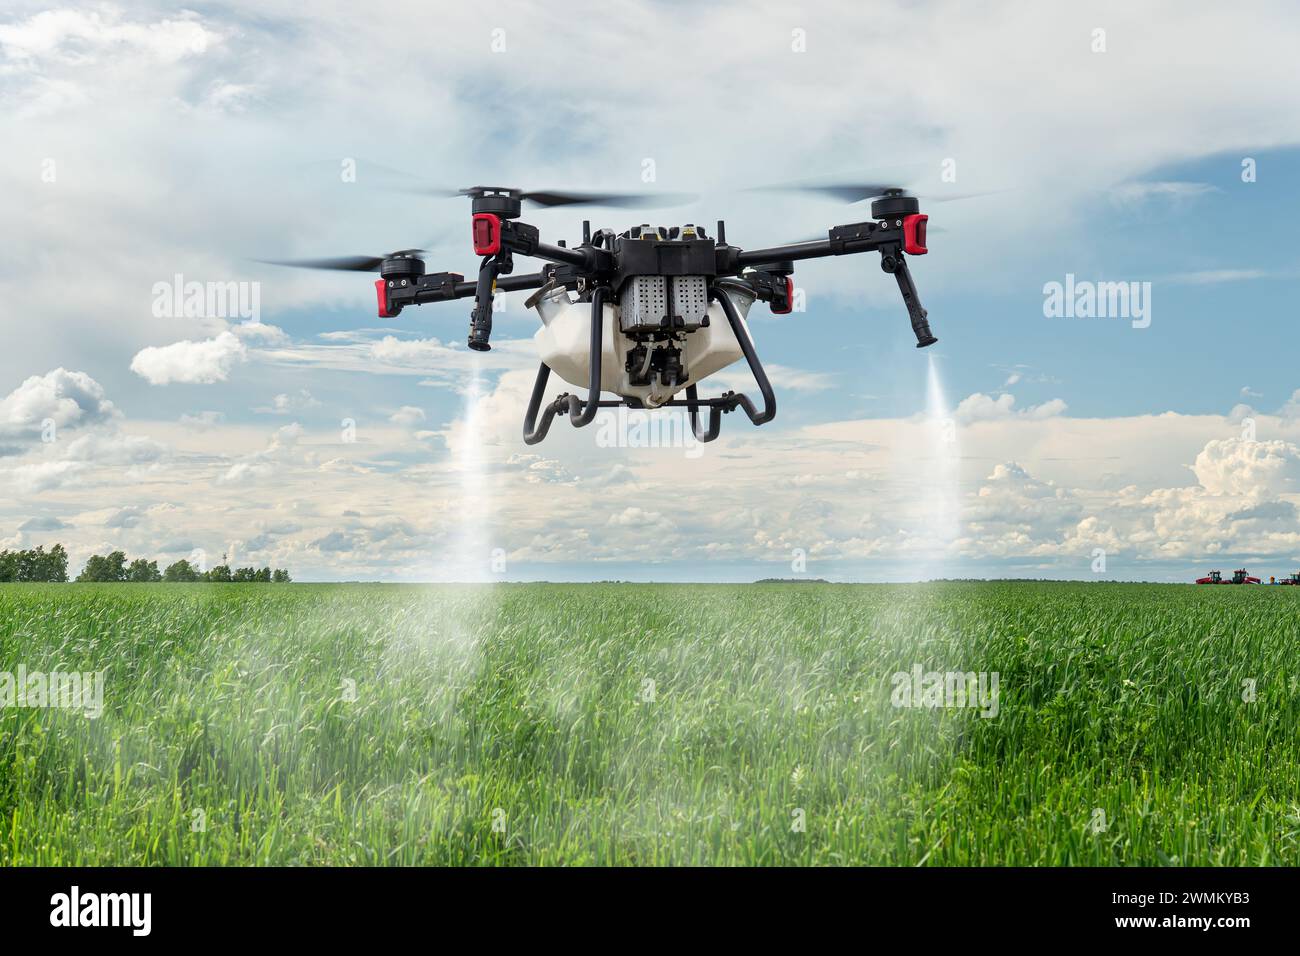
<point>525,704</point>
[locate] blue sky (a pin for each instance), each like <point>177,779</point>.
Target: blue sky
<point>148,143</point>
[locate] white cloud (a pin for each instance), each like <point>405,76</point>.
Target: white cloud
<point>111,449</point>
<point>78,37</point>
<point>981,407</point>
<point>42,523</point>
<point>783,378</point>
<point>260,331</point>
<point>288,404</point>
<point>202,421</point>
<point>200,363</point>
<point>407,415</point>
<point>1235,467</point>
<point>66,398</point>
<point>46,475</point>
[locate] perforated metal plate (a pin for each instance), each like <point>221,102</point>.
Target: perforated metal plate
<point>690,298</point>
<point>645,302</point>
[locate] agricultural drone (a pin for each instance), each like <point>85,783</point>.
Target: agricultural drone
<point>645,313</point>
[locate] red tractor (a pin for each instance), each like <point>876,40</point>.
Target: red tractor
<point>1238,577</point>
<point>1292,579</point>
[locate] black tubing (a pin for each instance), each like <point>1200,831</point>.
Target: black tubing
<point>578,414</point>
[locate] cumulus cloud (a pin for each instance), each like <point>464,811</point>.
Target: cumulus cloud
<point>980,407</point>
<point>1237,467</point>
<point>256,331</point>
<point>115,449</point>
<point>125,518</point>
<point>63,397</point>
<point>197,363</point>
<point>45,475</point>
<point>280,449</point>
<point>335,541</point>
<point>43,523</point>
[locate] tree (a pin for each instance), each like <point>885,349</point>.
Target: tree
<point>54,567</point>
<point>36,564</point>
<point>110,568</point>
<point>142,571</point>
<point>181,571</point>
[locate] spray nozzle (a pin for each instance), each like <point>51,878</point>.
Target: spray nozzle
<point>480,320</point>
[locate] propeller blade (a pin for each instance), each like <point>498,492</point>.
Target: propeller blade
<point>850,192</point>
<point>337,264</point>
<point>440,192</point>
<point>342,263</point>
<point>550,198</point>
<point>860,192</point>
<point>547,198</point>
<point>845,192</point>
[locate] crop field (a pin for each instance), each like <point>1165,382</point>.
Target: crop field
<point>655,724</point>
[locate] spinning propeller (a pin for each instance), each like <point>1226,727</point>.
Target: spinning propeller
<point>860,192</point>
<point>346,263</point>
<point>553,197</point>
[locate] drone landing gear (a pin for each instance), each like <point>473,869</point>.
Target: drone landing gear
<point>580,413</point>
<point>583,413</point>
<point>730,401</point>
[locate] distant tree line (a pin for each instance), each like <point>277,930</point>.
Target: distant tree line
<point>37,564</point>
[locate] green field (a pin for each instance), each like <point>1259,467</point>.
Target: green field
<point>653,724</point>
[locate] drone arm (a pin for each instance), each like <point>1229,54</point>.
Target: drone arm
<point>525,239</point>
<point>841,241</point>
<point>446,286</point>
<point>906,235</point>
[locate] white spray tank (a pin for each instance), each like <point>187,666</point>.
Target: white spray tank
<point>564,339</point>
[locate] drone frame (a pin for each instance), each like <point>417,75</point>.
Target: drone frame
<point>596,268</point>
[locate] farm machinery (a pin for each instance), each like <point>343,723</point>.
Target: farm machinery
<point>1238,577</point>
